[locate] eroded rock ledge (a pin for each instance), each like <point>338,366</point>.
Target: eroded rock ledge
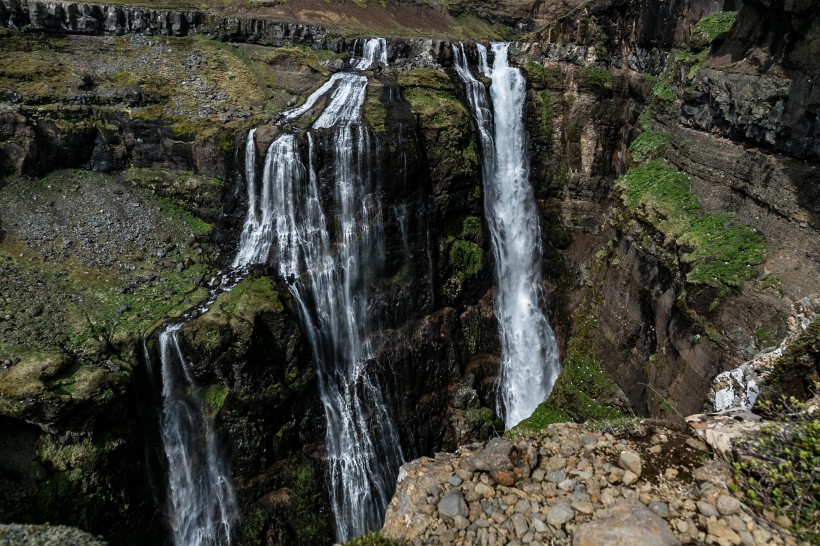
<point>639,484</point>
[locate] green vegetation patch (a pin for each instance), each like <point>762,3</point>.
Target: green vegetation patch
<point>582,392</point>
<point>777,468</point>
<point>62,299</point>
<point>724,250</point>
<point>544,77</point>
<point>549,107</point>
<point>662,90</point>
<point>595,77</point>
<point>719,250</point>
<point>710,27</point>
<point>649,145</point>
<point>214,397</point>
<point>663,197</point>
<point>304,513</point>
<point>375,112</point>
<point>446,124</point>
<point>463,243</point>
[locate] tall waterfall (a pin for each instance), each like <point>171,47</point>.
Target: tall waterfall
<point>329,256</point>
<point>201,498</point>
<point>529,353</point>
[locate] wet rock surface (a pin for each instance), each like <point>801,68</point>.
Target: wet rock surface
<point>570,488</point>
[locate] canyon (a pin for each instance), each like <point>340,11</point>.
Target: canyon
<point>222,179</point>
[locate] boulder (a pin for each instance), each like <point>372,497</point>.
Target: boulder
<point>628,522</point>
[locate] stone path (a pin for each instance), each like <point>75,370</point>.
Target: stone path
<point>648,485</point>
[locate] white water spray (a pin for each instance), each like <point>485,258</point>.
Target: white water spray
<point>329,262</point>
<point>373,50</point>
<point>201,497</point>
<point>529,353</point>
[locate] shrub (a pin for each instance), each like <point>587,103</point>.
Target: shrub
<point>777,469</point>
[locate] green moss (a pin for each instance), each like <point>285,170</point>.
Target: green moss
<point>723,251</point>
<point>719,251</point>
<point>253,527</point>
<point>710,27</point>
<point>663,91</point>
<point>649,145</point>
<point>544,77</point>
<point>542,417</point>
<point>446,124</point>
<point>463,243</point>
<point>304,512</point>
<point>662,197</point>
<point>645,120</point>
<point>595,77</point>
<point>547,114</point>
<point>582,391</point>
<point>374,111</point>
<point>214,397</point>
<point>466,258</point>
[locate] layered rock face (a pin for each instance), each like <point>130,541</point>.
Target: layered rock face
<point>660,332</point>
<point>642,327</point>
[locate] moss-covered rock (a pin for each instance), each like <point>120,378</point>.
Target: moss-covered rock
<point>719,251</point>
<point>257,380</point>
<point>448,136</point>
<point>710,27</point>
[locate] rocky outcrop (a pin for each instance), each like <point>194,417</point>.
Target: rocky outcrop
<point>759,83</point>
<point>642,484</point>
<point>46,535</point>
<point>254,370</point>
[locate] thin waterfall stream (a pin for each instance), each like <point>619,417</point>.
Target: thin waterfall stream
<point>529,353</point>
<point>329,257</point>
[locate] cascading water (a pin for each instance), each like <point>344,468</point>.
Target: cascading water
<point>529,353</point>
<point>329,262</point>
<point>201,497</point>
<point>373,50</point>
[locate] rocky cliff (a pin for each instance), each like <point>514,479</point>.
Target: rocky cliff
<point>674,152</point>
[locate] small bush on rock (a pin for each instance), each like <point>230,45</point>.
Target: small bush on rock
<point>778,467</point>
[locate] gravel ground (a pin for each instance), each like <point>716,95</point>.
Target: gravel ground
<point>46,535</point>
<point>571,485</point>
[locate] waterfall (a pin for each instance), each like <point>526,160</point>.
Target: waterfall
<point>201,498</point>
<point>373,50</point>
<point>529,353</point>
<point>329,260</point>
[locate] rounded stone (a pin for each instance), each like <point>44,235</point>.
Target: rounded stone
<point>628,523</point>
<point>629,460</point>
<point>727,505</point>
<point>559,514</point>
<point>707,509</point>
<point>630,477</point>
<point>453,504</point>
